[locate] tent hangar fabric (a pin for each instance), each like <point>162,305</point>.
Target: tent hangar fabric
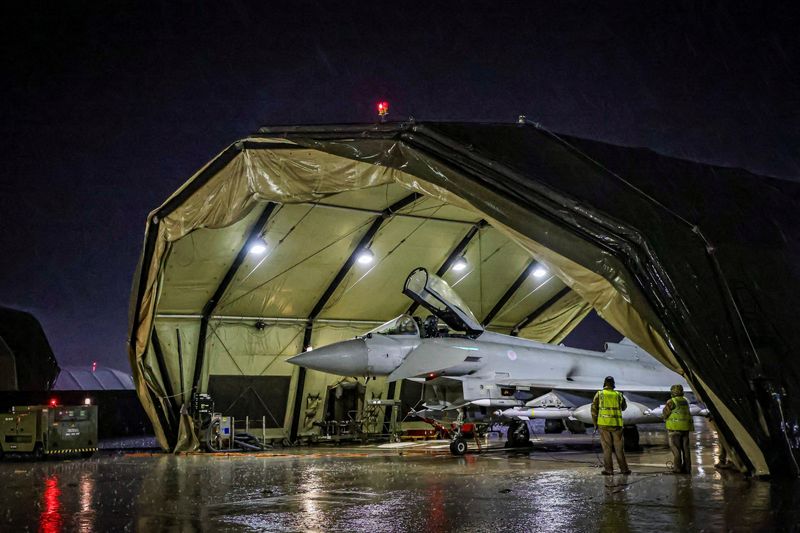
<point>74,378</point>
<point>27,362</point>
<point>695,263</point>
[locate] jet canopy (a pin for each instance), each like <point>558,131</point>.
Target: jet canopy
<point>402,325</point>
<point>435,295</point>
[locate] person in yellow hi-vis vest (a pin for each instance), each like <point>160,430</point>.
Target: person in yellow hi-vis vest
<point>607,408</point>
<point>679,424</point>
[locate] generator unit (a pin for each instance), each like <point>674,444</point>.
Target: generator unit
<point>49,430</point>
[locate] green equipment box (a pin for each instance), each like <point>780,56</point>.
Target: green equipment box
<point>49,430</point>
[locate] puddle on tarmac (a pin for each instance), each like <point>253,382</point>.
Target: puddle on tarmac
<point>370,490</point>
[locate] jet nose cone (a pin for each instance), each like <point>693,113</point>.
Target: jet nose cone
<point>347,358</point>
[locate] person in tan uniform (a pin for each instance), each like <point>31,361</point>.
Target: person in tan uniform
<point>607,408</point>
<point>679,423</point>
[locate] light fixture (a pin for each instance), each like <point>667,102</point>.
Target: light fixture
<point>539,272</point>
<point>258,247</point>
<point>383,110</point>
<point>366,256</point>
<point>460,264</point>
<point>87,401</point>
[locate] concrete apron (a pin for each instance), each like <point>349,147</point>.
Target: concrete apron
<point>554,486</point>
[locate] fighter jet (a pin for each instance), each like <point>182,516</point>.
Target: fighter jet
<point>467,367</point>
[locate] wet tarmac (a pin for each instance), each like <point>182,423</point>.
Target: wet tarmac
<point>554,487</point>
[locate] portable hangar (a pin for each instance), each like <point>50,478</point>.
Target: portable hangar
<point>27,362</point>
<point>695,263</point>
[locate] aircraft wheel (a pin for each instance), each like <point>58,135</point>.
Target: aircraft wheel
<point>521,436</point>
<point>510,430</point>
<point>553,426</point>
<point>518,434</point>
<point>458,446</point>
<point>524,435</point>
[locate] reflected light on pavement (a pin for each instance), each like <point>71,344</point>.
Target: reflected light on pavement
<point>51,520</point>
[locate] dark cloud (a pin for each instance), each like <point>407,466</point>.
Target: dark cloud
<point>106,109</point>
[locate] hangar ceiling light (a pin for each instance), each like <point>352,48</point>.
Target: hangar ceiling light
<point>258,247</point>
<point>539,272</point>
<point>366,256</point>
<point>460,264</point>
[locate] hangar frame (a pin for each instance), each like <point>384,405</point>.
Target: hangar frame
<point>629,236</point>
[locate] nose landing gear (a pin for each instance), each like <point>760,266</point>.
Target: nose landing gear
<point>458,446</point>
<point>463,432</point>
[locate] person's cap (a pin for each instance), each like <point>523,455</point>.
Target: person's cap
<point>676,390</point>
<point>609,380</point>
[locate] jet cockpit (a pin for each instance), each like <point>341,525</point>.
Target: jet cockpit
<point>406,324</point>
<point>435,295</point>
<point>402,325</point>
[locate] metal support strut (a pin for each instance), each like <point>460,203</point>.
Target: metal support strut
<point>363,244</point>
<point>211,305</point>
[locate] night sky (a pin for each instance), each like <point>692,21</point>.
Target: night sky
<point>108,108</point>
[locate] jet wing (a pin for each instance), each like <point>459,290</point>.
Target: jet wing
<point>430,357</point>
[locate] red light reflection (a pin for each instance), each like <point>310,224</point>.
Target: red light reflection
<point>437,514</point>
<point>51,520</point>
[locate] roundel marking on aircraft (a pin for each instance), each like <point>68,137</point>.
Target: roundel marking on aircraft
<point>512,355</point>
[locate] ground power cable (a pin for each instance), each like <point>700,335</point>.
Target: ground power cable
<point>597,464</point>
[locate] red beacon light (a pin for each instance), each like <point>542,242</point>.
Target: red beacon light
<point>383,109</point>
<point>53,402</point>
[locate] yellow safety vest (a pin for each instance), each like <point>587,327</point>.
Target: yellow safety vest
<point>679,419</point>
<point>609,412</point>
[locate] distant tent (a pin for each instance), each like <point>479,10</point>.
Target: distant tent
<point>27,362</point>
<point>75,378</point>
<point>8,367</point>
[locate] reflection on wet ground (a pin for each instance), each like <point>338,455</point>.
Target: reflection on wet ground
<point>557,488</point>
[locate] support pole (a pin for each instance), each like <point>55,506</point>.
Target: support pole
<point>454,254</point>
<point>180,364</point>
<point>522,324</point>
<point>363,244</point>
<point>212,303</point>
<point>509,293</point>
<point>173,412</point>
<point>389,410</point>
